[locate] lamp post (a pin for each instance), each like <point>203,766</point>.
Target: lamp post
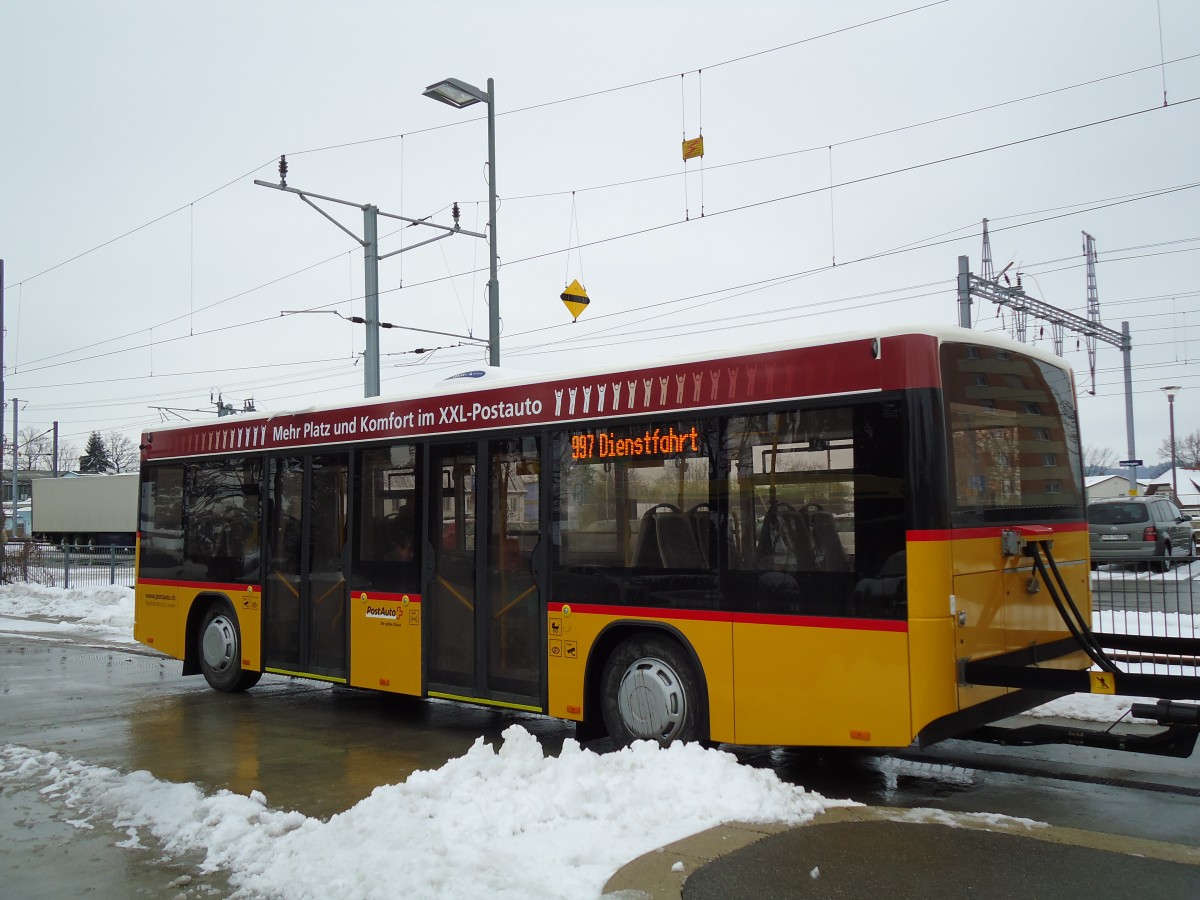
<point>1171,390</point>
<point>459,94</point>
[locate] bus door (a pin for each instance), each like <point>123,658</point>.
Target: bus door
<point>485,608</point>
<point>304,594</point>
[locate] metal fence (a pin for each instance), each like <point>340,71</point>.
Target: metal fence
<point>1126,599</point>
<point>1133,599</point>
<point>67,566</point>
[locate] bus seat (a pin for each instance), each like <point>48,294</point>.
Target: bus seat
<point>733,542</point>
<point>677,542</point>
<point>666,540</point>
<point>777,539</point>
<point>704,528</point>
<point>831,555</point>
<point>647,553</point>
<point>798,532</point>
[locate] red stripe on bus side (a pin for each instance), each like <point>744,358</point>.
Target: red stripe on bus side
<point>894,625</point>
<point>387,598</point>
<point>199,585</point>
<point>961,534</point>
<point>697,615</point>
<point>639,612</point>
<point>241,589</point>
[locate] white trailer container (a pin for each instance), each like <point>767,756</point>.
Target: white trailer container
<point>95,510</point>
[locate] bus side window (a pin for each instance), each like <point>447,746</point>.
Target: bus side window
<point>820,493</point>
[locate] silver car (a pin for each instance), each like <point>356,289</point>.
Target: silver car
<point>1138,529</point>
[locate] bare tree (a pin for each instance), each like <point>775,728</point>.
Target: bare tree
<point>68,457</point>
<point>1097,459</point>
<point>122,452</point>
<point>1187,451</point>
<point>34,450</point>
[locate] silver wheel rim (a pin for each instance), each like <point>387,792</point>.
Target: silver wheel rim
<point>651,700</point>
<point>219,644</point>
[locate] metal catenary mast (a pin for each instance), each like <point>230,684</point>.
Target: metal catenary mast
<point>1022,305</point>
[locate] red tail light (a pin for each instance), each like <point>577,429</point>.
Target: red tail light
<point>1150,534</point>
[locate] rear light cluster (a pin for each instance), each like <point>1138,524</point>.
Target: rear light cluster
<point>1150,533</point>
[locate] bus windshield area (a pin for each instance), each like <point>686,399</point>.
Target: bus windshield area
<point>1013,437</point>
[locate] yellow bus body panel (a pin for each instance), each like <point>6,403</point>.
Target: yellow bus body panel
<point>933,672</point>
<point>385,641</point>
<point>247,606</point>
<point>822,686</point>
<point>160,616</point>
<point>931,631</point>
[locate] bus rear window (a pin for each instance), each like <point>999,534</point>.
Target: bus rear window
<point>1013,437</point>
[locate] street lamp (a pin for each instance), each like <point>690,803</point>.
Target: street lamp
<point>458,94</point>
<point>1171,390</point>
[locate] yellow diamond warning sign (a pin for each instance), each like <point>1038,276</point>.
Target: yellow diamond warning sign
<point>576,299</point>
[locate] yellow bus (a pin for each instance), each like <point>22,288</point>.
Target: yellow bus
<point>800,544</point>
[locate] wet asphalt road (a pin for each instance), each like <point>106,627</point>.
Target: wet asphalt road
<point>318,750</point>
<point>306,746</point>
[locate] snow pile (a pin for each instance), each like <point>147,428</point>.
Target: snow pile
<point>1088,707</point>
<point>1159,624</point>
<point>507,823</point>
<point>105,612</point>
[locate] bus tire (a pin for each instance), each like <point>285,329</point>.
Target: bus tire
<point>650,691</point>
<point>219,648</point>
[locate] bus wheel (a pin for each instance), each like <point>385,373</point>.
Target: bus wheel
<point>219,646</point>
<point>650,692</point>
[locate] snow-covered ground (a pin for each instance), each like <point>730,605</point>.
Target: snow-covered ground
<point>497,822</point>
<point>500,821</point>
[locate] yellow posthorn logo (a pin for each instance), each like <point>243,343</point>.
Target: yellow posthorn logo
<point>576,299</point>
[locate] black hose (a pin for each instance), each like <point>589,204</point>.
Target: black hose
<point>1078,628</point>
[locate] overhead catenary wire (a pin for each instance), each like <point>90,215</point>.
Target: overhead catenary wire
<point>860,138</point>
<point>1161,55</point>
<point>625,87</point>
<point>573,236</point>
<point>1073,209</point>
<point>1162,64</point>
<point>830,187</point>
<point>1123,199</point>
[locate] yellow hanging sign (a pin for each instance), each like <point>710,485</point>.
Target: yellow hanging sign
<point>693,148</point>
<point>576,299</point>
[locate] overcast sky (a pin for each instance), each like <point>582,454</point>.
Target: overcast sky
<point>145,269</point>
